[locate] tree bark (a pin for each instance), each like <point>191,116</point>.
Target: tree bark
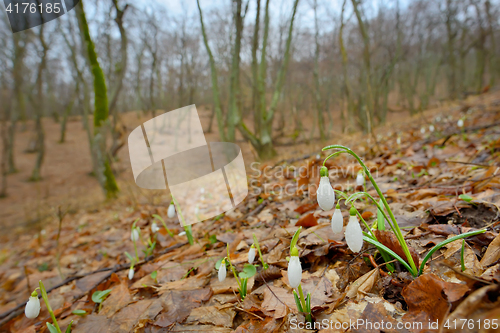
<point>101,112</point>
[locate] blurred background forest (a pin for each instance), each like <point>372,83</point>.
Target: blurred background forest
<point>269,74</point>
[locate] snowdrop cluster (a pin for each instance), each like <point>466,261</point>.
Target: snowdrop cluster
<point>251,254</point>
<point>222,270</point>
<point>326,200</point>
<point>353,232</point>
<point>325,193</point>
<point>134,235</point>
<point>32,309</point>
<point>360,178</point>
<point>154,228</point>
<point>294,268</point>
<point>171,211</point>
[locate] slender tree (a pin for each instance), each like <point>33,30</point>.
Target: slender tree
<point>101,111</point>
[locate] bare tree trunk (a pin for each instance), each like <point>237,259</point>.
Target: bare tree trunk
<point>39,109</point>
<point>103,171</point>
<point>450,13</point>
<point>20,41</point>
<point>120,71</point>
<point>215,84</point>
<point>317,92</point>
<point>369,105</point>
<point>67,111</point>
<point>347,84</point>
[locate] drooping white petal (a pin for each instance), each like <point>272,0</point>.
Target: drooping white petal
<point>354,234</point>
<point>222,272</point>
<point>360,179</point>
<point>337,221</point>
<point>131,273</point>
<point>134,235</point>
<point>154,227</point>
<point>460,123</point>
<point>294,271</point>
<point>32,309</point>
<point>251,255</point>
<point>325,194</point>
<point>171,211</point>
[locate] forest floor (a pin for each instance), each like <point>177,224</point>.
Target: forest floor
<point>422,177</point>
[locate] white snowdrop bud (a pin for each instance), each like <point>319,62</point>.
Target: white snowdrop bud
<point>202,190</point>
<point>251,254</point>
<point>154,228</point>
<point>182,233</point>
<point>360,179</point>
<point>134,235</point>
<point>32,309</point>
<point>460,123</point>
<point>431,128</point>
<point>353,232</point>
<point>294,269</point>
<point>422,130</point>
<point>337,220</point>
<point>398,140</point>
<point>325,194</point>
<point>131,273</point>
<point>171,211</point>
<point>222,271</point>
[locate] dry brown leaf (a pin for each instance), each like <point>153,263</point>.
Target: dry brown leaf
<point>363,284</point>
<point>307,221</point>
<point>429,298</point>
<point>178,304</point>
<point>215,315</point>
<point>118,299</point>
<point>492,254</point>
<point>389,239</point>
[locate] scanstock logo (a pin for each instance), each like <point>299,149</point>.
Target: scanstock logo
<point>205,179</point>
<point>26,14</point>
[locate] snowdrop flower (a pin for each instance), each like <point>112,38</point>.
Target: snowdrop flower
<point>202,190</point>
<point>131,273</point>
<point>353,232</point>
<point>460,123</point>
<point>154,228</point>
<point>398,140</point>
<point>222,270</point>
<point>337,220</point>
<point>360,179</point>
<point>32,309</point>
<point>182,233</point>
<point>431,128</point>
<point>325,193</point>
<point>294,269</point>
<point>422,130</point>
<point>134,235</point>
<point>251,254</point>
<point>171,211</point>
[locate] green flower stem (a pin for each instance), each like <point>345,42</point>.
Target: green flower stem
<point>256,242</point>
<point>440,245</point>
<point>158,217</point>
<point>135,249</point>
<point>232,268</point>
<point>397,230</point>
<point>187,228</point>
<point>462,261</point>
<point>303,303</point>
<point>47,304</point>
